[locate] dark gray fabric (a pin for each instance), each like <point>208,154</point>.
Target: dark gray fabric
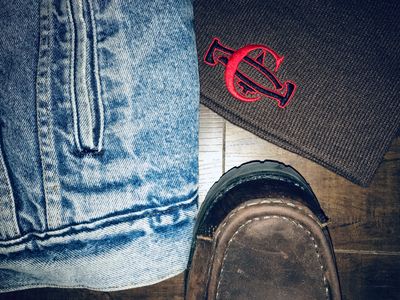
<point>344,58</point>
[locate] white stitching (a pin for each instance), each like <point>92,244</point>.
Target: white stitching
<point>44,117</point>
<point>291,204</point>
<point>234,212</point>
<point>245,180</point>
<point>97,75</point>
<point>265,218</point>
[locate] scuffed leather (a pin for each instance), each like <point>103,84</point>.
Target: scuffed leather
<point>266,248</point>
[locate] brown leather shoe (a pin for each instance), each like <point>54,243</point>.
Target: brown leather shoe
<point>261,234</point>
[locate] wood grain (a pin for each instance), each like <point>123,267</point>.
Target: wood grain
<point>364,222</point>
<point>369,276</point>
<point>211,150</point>
<point>360,218</point>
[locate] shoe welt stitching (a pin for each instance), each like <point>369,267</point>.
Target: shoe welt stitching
<point>265,218</point>
<point>265,202</point>
<point>234,212</point>
<point>248,179</point>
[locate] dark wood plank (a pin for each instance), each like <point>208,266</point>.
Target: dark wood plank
<point>363,277</point>
<point>360,218</point>
<point>168,289</point>
<point>369,276</point>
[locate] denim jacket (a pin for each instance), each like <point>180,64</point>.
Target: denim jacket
<point>98,142</point>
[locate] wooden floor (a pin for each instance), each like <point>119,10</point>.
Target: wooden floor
<point>364,222</point>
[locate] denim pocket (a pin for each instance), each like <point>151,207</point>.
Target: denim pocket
<point>85,91</point>
<point>8,218</point>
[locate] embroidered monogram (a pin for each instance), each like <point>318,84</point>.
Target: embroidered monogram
<point>240,84</point>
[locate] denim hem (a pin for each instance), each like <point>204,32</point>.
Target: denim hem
<point>126,251</point>
<point>127,286</point>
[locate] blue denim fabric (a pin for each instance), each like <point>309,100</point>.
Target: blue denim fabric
<point>99,141</point>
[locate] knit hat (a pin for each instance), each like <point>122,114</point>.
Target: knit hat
<point>319,78</point>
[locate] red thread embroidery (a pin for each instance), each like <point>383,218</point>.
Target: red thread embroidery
<point>234,77</point>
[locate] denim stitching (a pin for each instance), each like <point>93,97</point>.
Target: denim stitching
<point>102,289</point>
<point>102,223</point>
<point>80,72</point>
<point>97,75</point>
<point>87,107</point>
<point>71,75</point>
<point>286,219</point>
<point>8,214</point>
<point>44,116</point>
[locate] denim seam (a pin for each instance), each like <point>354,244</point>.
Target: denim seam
<point>8,211</point>
<point>87,103</point>
<point>71,74</point>
<point>80,72</point>
<point>174,273</point>
<point>44,116</point>
<point>100,224</point>
<point>97,75</point>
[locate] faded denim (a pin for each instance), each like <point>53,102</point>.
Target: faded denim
<point>99,142</point>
